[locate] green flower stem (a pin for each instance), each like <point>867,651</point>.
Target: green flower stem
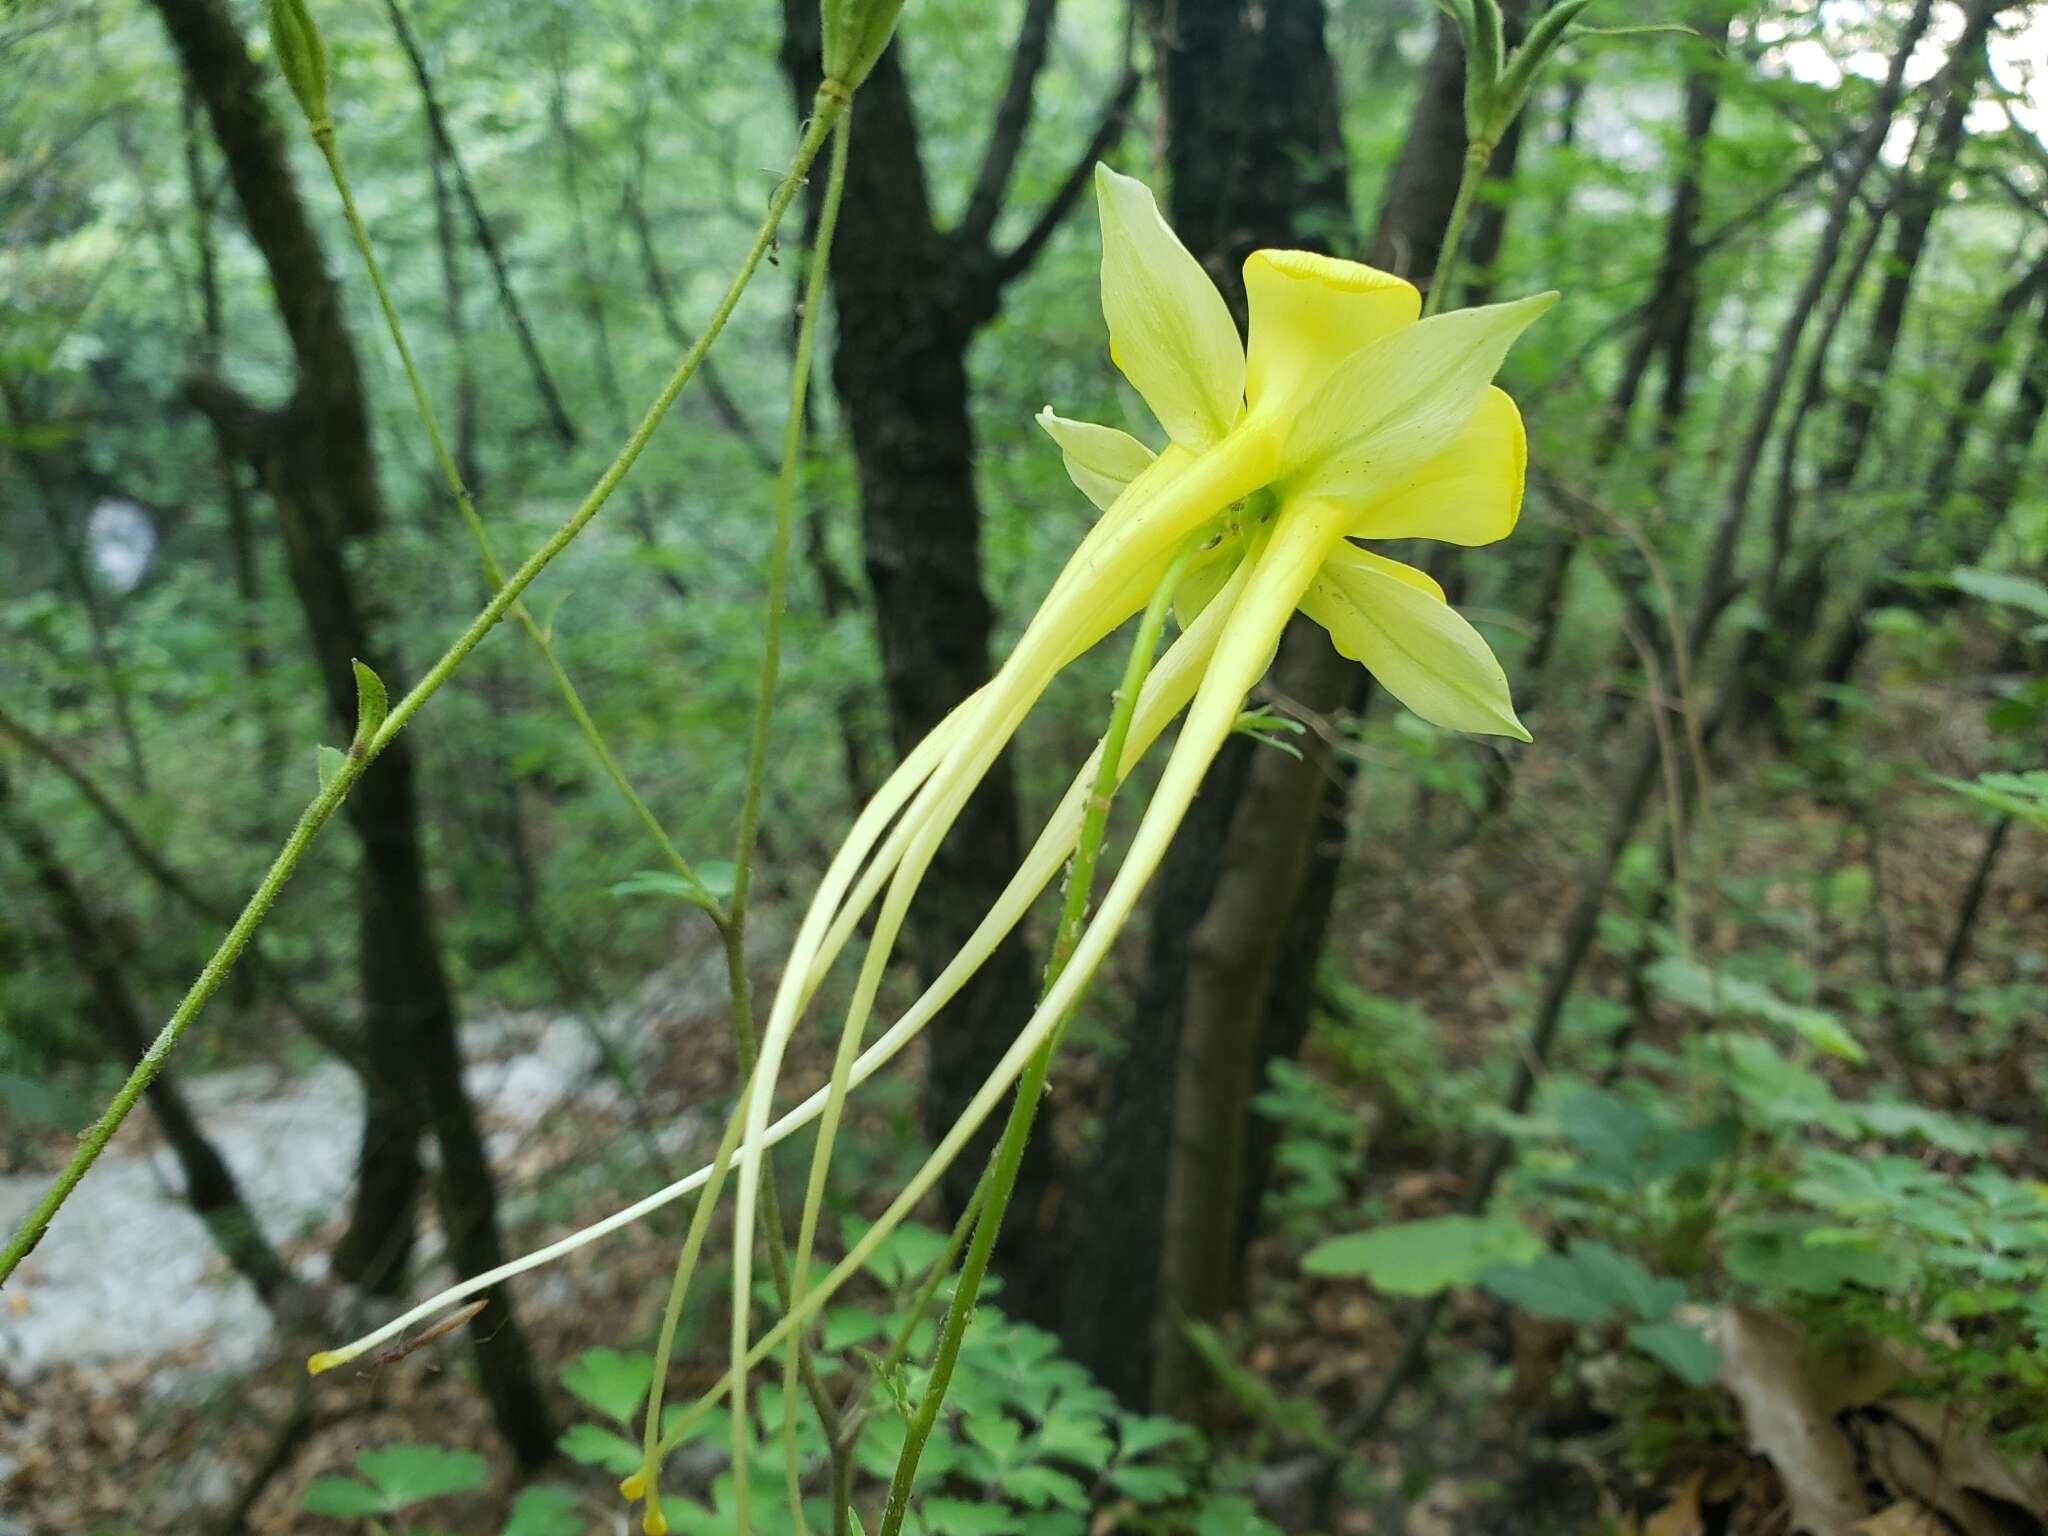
<point>1477,158</point>
<point>831,101</point>
<point>1002,1177</point>
<point>323,135</point>
<point>735,920</point>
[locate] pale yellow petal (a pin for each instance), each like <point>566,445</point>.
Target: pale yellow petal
<point>1309,313</point>
<point>1413,643</point>
<point>1349,557</point>
<point>1169,329</point>
<point>1471,493</point>
<point>1396,403</point>
<point>1100,460</point>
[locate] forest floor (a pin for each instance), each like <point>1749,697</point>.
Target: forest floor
<point>143,1391</point>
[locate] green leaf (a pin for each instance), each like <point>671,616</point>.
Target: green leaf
<point>1035,1487</point>
<point>1683,1349</point>
<point>596,1446</point>
<point>958,1517</point>
<point>1420,1258</point>
<point>372,704</point>
<point>1233,1515</point>
<point>1149,1485</point>
<point>342,1497</point>
<point>412,1474</point>
<point>1774,1256</point>
<point>327,762</point>
<point>1136,1434</point>
<point>613,1383</point>
<point>1716,992</point>
<point>664,882</point>
<point>544,1510</point>
<point>1591,1283</point>
<point>2002,587</point>
<point>1078,1438</point>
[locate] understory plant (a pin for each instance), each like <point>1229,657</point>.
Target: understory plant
<point>1354,412</point>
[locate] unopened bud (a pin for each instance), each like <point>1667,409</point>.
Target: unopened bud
<point>302,57</point>
<point>856,32</point>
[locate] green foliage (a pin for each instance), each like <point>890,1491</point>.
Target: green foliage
<point>394,1478</point>
<point>1419,1258</point>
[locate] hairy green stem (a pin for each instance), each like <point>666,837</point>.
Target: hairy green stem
<point>1009,1154</point>
<point>1477,158</point>
<point>831,101</point>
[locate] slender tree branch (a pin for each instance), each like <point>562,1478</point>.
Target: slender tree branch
<point>1012,121</point>
<point>1108,129</point>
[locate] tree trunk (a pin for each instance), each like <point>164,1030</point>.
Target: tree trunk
<point>314,457</point>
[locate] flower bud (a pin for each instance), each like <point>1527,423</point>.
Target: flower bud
<point>856,32</point>
<point>302,57</point>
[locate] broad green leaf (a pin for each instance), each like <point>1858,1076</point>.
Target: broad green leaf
<point>1149,1485</point>
<point>597,1446</point>
<point>1419,1258</point>
<point>1036,1487</point>
<point>544,1510</point>
<point>412,1474</point>
<point>342,1497</point>
<point>612,1382</point>
<point>1590,1283</point>
<point>1136,1434</point>
<point>2004,587</point>
<point>1233,1515</point>
<point>1772,1255</point>
<point>1683,1349</point>
<point>1714,993</point>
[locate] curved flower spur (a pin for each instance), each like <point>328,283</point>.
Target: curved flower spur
<point>1348,419</point>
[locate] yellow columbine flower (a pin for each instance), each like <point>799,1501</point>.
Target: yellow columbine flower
<point>1347,419</point>
<point>1376,412</point>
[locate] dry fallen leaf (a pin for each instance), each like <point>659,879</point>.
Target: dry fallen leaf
<point>1903,1519</point>
<point>1764,1364</point>
<point>1681,1517</point>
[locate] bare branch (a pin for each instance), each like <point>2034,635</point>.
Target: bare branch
<point>1012,121</point>
<point>1108,130</point>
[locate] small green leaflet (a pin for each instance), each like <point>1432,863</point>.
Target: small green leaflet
<point>1588,1283</point>
<point>715,884</point>
<point>1716,992</point>
<point>1681,1348</point>
<point>397,1476</point>
<point>544,1510</point>
<point>1420,1258</point>
<point>613,1383</point>
<point>327,762</point>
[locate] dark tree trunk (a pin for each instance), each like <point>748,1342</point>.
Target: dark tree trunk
<point>908,297</point>
<point>210,1187</point>
<point>313,455</point>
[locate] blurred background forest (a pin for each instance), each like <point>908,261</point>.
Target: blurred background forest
<point>1640,1130</point>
